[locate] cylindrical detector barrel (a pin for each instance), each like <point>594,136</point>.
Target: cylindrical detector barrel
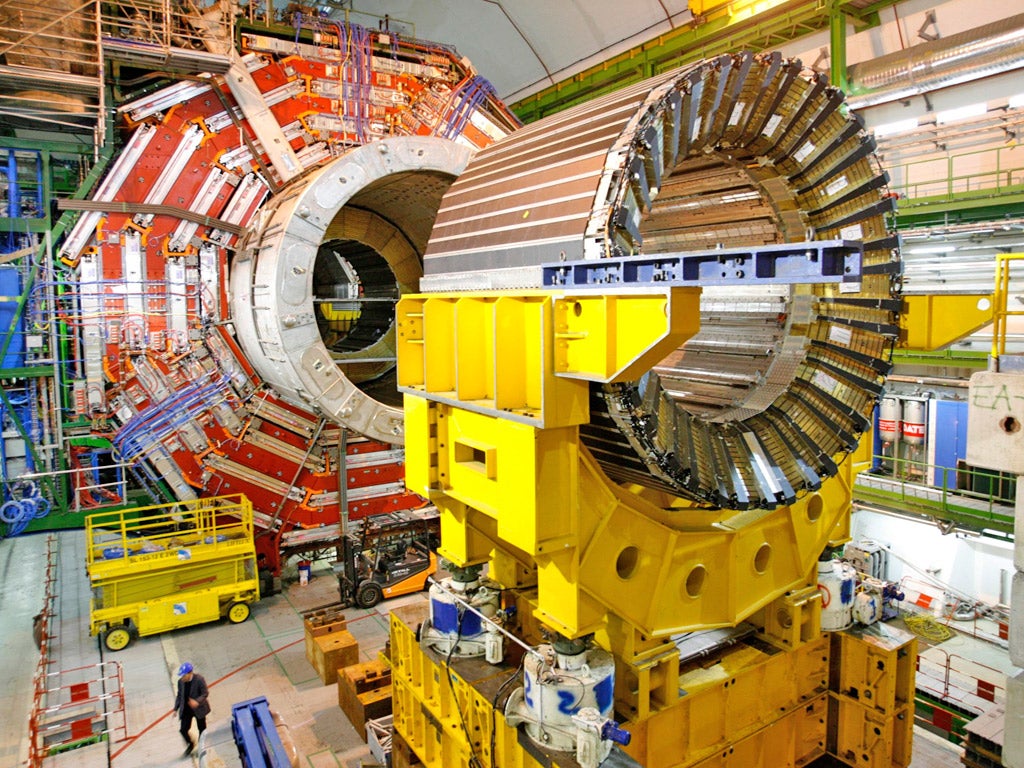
<point>742,150</point>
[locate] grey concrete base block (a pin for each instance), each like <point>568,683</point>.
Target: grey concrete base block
<point>1017,620</point>
<point>1013,735</point>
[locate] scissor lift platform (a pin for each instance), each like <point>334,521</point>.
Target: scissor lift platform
<point>162,567</point>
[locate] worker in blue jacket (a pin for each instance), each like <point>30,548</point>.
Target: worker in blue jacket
<point>191,701</point>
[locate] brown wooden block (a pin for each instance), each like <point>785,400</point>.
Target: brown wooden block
<point>330,652</point>
<point>321,622</point>
<point>364,693</point>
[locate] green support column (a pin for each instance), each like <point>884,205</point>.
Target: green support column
<point>837,45</point>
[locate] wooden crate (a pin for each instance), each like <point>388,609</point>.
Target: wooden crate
<point>323,621</point>
<point>333,651</point>
<point>364,693</point>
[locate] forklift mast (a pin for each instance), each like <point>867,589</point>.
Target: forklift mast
<point>385,551</point>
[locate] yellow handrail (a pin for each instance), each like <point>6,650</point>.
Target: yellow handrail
<point>164,527</point>
<point>1000,312</point>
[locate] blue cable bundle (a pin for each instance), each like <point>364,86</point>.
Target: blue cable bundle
<point>145,431</point>
<point>468,98</point>
<point>17,513</point>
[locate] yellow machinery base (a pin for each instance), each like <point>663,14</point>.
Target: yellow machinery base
<point>754,704</point>
<point>496,389</point>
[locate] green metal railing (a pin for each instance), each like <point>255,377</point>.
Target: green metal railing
<point>975,499</point>
<point>981,173</point>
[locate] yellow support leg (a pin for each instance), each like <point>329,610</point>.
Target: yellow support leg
<point>871,697</point>
<point>932,322</point>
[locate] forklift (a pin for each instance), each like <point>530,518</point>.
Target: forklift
<point>390,555</point>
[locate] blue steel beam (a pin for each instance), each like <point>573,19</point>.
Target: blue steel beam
<point>256,737</point>
<point>820,261</point>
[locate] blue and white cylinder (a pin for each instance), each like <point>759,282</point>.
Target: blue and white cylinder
<point>837,582</point>
<point>554,693</point>
<point>448,617</point>
<point>458,625</point>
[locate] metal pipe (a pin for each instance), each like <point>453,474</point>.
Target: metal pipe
<point>981,52</point>
<point>928,381</point>
<point>343,481</point>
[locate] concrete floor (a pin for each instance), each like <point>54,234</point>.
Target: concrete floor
<point>263,656</point>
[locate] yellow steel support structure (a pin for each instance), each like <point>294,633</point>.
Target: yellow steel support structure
<point>751,707</point>
<point>871,713</point>
<point>734,700</point>
<point>493,441</point>
<point>496,386</point>
<point>934,321</point>
<point>755,704</point>
<point>445,712</point>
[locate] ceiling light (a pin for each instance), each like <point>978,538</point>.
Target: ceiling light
<point>961,113</point>
<point>1016,102</point>
<point>935,248</point>
<point>899,126</point>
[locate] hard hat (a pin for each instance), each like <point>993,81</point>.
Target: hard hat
<point>185,668</point>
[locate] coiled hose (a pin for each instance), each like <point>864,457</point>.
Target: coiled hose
<point>17,513</point>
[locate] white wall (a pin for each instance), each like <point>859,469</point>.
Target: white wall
<point>973,565</point>
<point>981,153</point>
<point>952,16</point>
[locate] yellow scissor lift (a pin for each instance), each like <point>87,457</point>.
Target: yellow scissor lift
<point>162,567</point>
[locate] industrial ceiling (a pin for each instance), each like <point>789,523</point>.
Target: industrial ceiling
<point>525,45</point>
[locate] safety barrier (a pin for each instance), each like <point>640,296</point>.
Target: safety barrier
<point>992,171</point>
<point>71,707</point>
<point>935,490</point>
<point>82,706</point>
<point>41,633</point>
<point>966,616</point>
<point>966,684</point>
<point>920,596</point>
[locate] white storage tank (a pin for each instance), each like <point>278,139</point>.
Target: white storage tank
<point>889,417</point>
<point>913,422</point>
